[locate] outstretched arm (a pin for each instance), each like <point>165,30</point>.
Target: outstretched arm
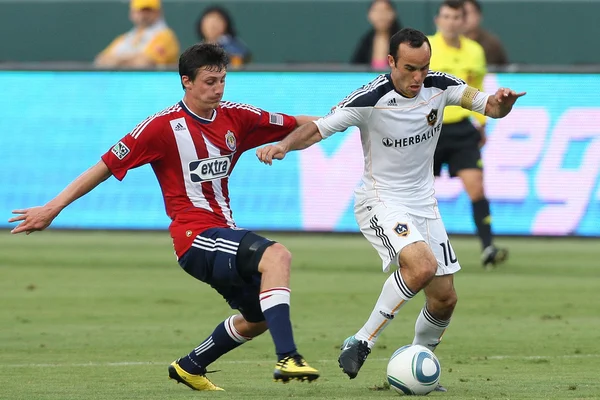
<point>301,138</point>
<point>39,218</point>
<point>304,119</point>
<point>501,103</point>
<point>338,120</point>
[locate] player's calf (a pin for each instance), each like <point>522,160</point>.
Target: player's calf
<point>224,338</point>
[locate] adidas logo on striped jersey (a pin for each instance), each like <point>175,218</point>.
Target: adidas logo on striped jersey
<point>179,127</point>
<point>392,103</point>
<point>139,128</point>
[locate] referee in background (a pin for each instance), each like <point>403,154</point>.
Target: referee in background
<point>463,132</point>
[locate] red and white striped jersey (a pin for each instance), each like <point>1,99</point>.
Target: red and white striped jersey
<point>192,157</point>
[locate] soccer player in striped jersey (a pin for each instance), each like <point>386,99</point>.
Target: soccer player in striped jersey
<point>400,118</point>
<point>192,147</point>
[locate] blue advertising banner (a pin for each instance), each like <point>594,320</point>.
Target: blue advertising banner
<point>542,163</point>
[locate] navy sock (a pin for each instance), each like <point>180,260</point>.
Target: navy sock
<point>275,305</point>
<point>223,339</point>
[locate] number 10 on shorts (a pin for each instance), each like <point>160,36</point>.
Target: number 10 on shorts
<point>448,253</point>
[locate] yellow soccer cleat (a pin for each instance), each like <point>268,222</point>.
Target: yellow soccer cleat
<point>195,382</point>
<point>294,367</point>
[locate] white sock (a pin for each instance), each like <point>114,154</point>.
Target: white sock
<point>393,296</point>
<point>273,297</point>
<point>233,332</point>
<point>429,329</point>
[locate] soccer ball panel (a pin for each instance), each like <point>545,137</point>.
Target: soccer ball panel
<point>413,370</point>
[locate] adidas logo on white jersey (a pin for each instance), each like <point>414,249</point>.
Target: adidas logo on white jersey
<point>179,127</point>
<point>392,103</point>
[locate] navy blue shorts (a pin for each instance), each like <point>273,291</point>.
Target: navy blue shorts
<point>213,259</point>
<point>458,147</point>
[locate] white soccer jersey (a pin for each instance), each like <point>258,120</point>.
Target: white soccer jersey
<point>399,136</point>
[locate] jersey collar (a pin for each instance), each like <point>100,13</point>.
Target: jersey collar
<point>196,116</point>
<point>389,78</point>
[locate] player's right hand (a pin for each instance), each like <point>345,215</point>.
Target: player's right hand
<point>271,152</point>
<point>34,219</point>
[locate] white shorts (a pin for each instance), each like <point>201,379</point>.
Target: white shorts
<point>390,229</point>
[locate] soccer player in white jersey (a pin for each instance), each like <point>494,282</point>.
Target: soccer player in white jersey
<point>400,117</point>
<point>192,147</point>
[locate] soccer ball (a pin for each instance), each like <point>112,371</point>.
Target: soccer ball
<point>413,370</point>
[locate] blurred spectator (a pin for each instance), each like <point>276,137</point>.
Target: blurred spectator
<point>492,46</point>
<point>215,26</point>
<point>150,43</point>
<point>463,131</point>
<point>373,47</point>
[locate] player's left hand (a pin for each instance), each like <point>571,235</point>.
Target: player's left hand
<point>34,219</point>
<point>271,152</point>
<point>507,97</point>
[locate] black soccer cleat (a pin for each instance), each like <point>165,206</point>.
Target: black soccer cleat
<point>492,256</point>
<point>353,356</point>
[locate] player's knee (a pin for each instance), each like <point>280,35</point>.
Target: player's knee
<point>422,271</point>
<point>420,262</point>
<point>448,301</point>
<point>476,193</point>
<point>254,329</point>
<point>427,267</point>
<point>249,329</point>
<point>276,258</point>
<point>475,188</point>
<point>442,304</point>
<point>280,255</point>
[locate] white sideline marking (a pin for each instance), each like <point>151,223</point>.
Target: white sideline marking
<point>538,357</point>
<point>134,363</point>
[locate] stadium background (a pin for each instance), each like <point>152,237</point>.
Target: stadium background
<point>542,163</point>
<point>547,32</point>
<point>88,314</point>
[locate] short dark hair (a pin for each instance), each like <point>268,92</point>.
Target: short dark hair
<point>475,3</point>
<point>454,4</point>
<point>412,37</point>
<point>202,55</point>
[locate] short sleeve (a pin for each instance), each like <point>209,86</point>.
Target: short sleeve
<point>264,127</point>
<point>341,118</point>
<point>135,149</point>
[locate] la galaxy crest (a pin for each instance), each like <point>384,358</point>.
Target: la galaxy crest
<point>402,229</point>
<point>230,141</point>
<point>432,117</point>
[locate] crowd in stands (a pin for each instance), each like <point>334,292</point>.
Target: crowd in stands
<point>152,44</point>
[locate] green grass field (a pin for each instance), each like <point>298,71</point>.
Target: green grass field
<point>100,315</point>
